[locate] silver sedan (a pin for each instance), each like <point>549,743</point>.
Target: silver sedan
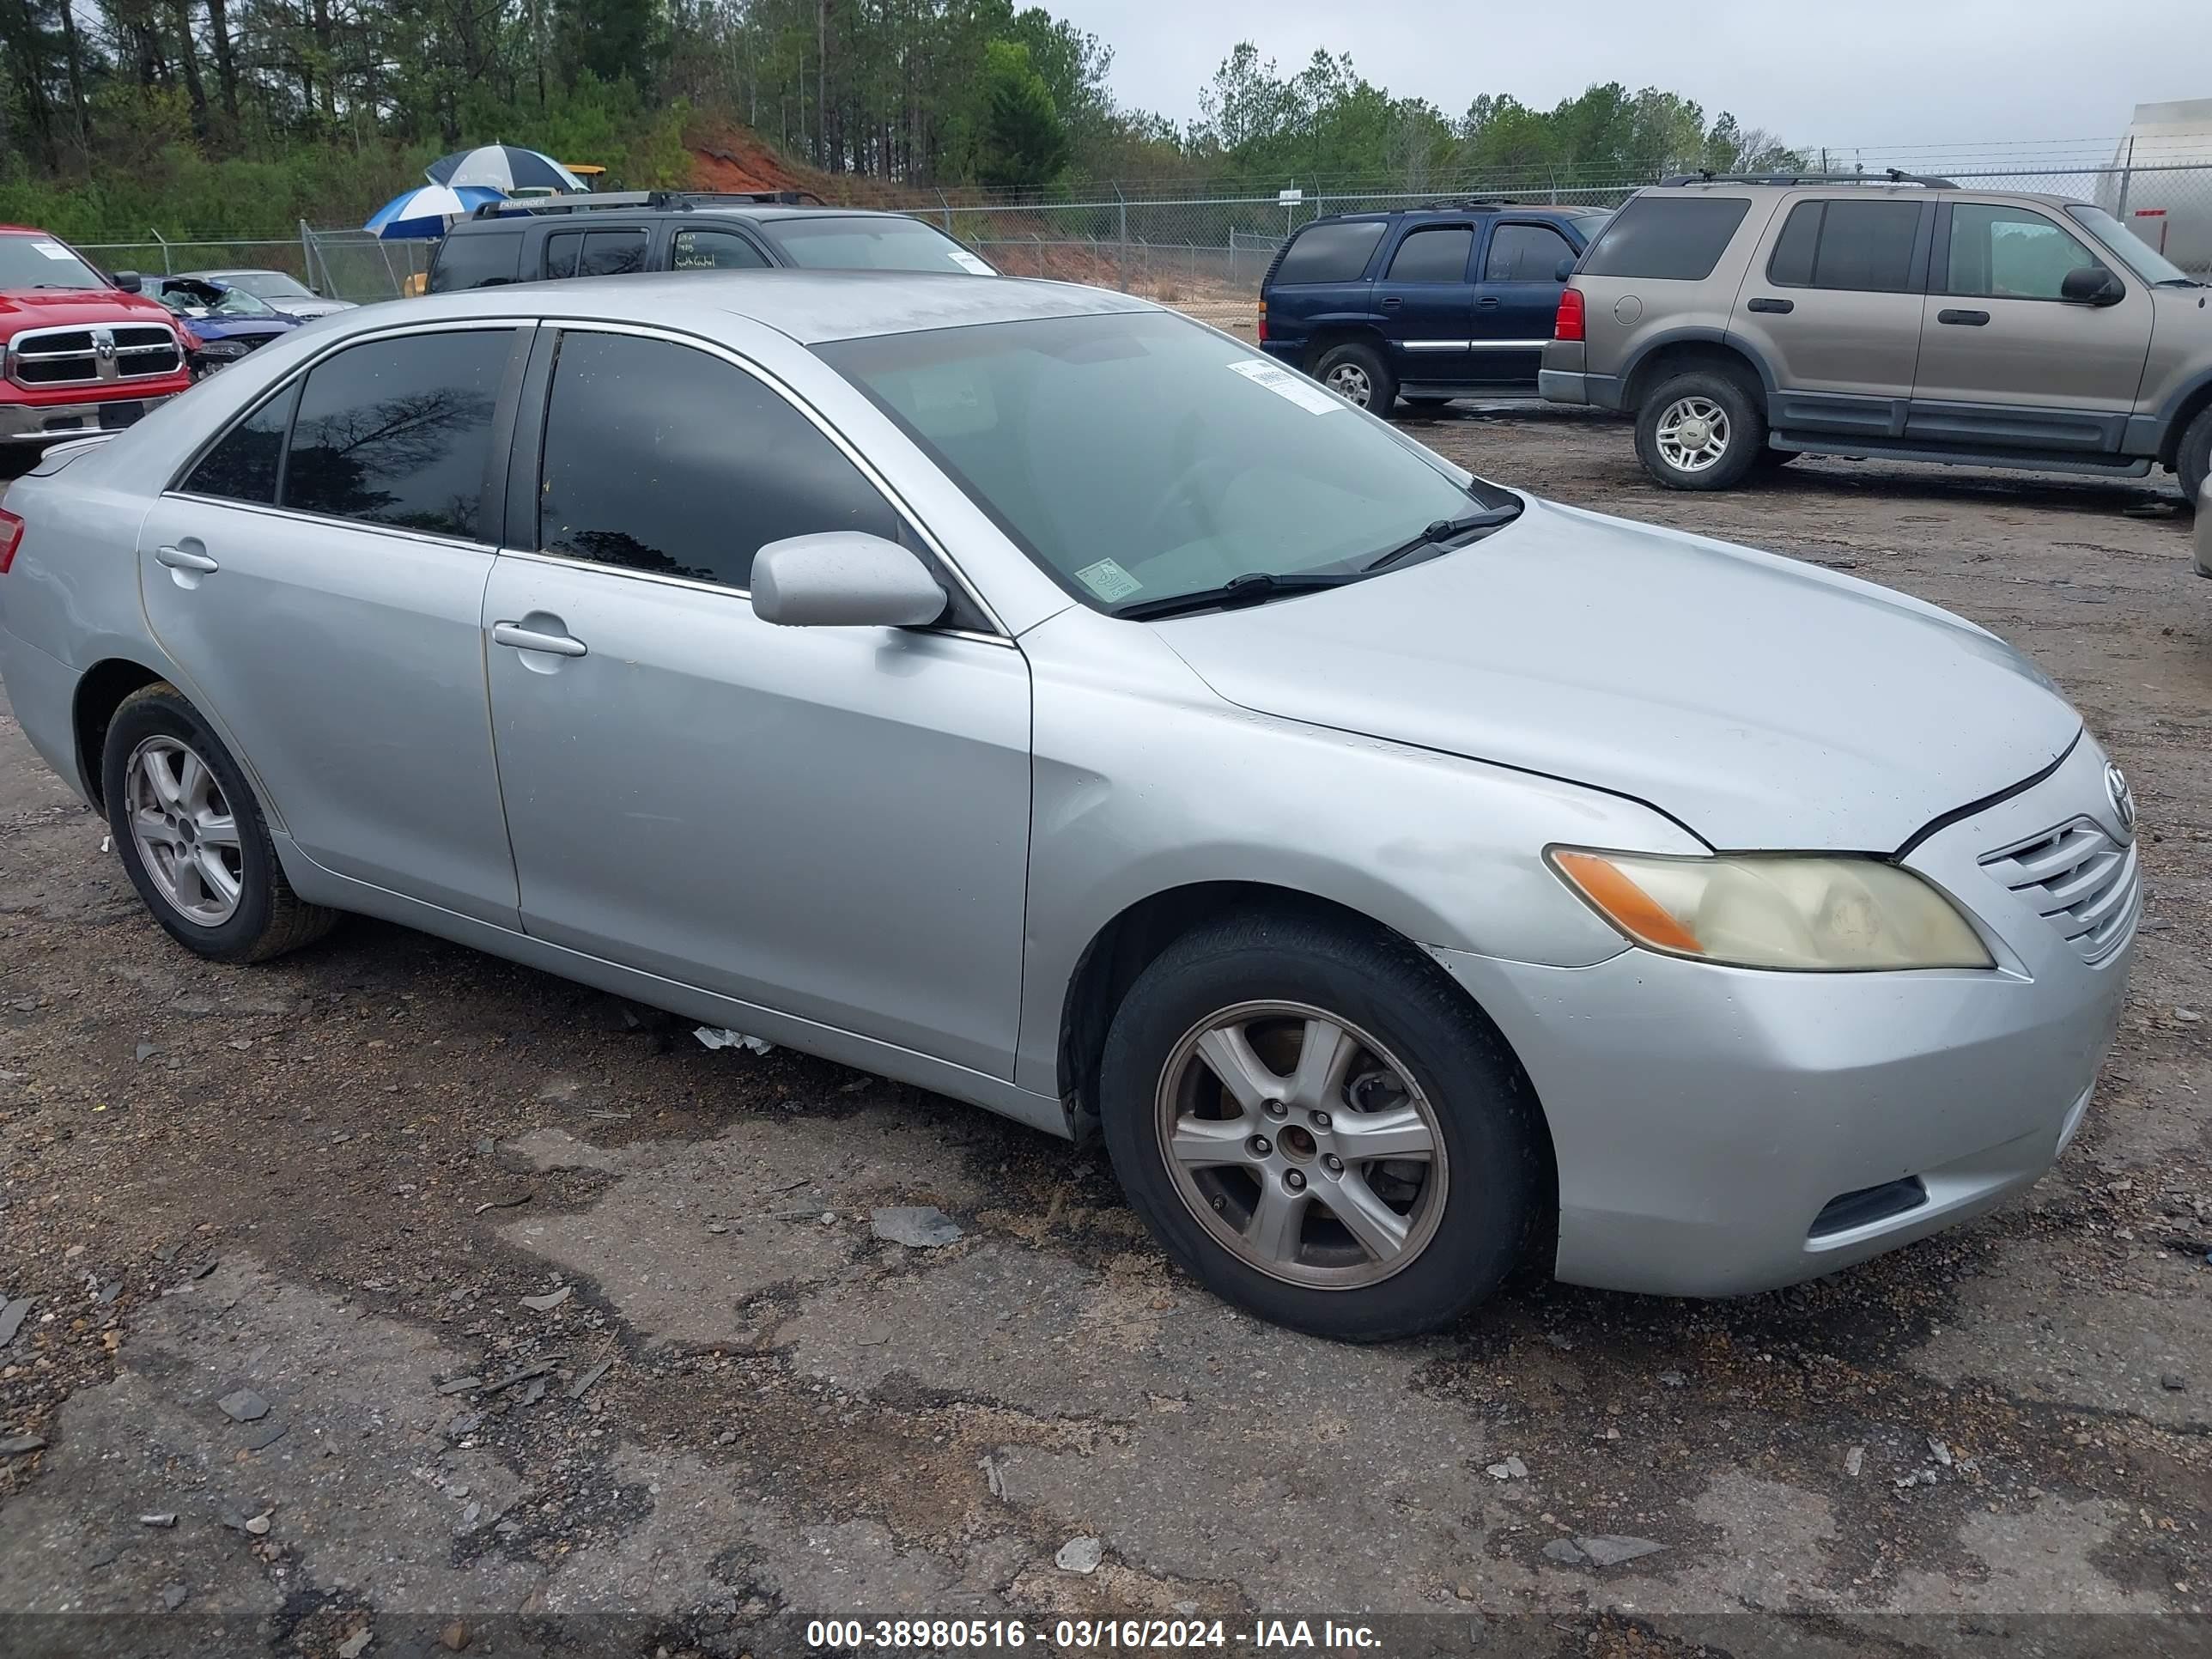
<point>1027,693</point>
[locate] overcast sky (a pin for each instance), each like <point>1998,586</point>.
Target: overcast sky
<point>1897,74</point>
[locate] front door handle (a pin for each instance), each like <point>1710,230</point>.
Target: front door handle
<point>1779,307</point>
<point>1963,318</point>
<point>527,639</point>
<point>1488,302</point>
<point>177,558</point>
<point>1392,301</point>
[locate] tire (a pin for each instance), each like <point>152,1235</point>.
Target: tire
<point>1359,375</point>
<point>2192,459</point>
<point>169,820</point>
<point>1682,402</point>
<point>1418,1053</point>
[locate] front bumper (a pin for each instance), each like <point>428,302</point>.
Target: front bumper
<point>1705,1118</point>
<point>47,423</point>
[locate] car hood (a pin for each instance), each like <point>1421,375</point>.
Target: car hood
<point>1763,702</point>
<point>242,328</point>
<point>64,307</point>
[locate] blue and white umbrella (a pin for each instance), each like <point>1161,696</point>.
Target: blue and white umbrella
<point>426,210</point>
<point>502,167</point>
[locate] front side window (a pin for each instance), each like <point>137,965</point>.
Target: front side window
<point>663,459</point>
<point>399,431</point>
<point>1436,253</point>
<point>1136,456</point>
<point>242,467</point>
<point>1526,253</point>
<point>713,250</point>
<point>1335,252</point>
<point>2011,253</point>
<point>1862,245</point>
<point>1667,237</point>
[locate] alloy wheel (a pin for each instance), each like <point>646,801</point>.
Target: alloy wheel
<point>1302,1145</point>
<point>186,833</point>
<point>1693,434</point>
<point>1350,382</point>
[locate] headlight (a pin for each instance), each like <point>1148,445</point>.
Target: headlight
<point>1771,911</point>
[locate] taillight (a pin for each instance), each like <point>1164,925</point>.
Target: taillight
<point>1263,321</point>
<point>12,538</point>
<point>1569,323</point>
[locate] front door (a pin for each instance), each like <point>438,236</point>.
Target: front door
<point>2005,361</point>
<point>1427,303</point>
<point>1517,300</point>
<point>830,822</point>
<point>318,578</point>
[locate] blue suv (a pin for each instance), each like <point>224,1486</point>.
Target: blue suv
<point>1453,300</point>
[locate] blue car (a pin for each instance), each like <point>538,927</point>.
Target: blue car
<point>221,323</point>
<point>1452,300</point>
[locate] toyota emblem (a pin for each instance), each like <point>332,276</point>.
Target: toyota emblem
<point>2124,799</point>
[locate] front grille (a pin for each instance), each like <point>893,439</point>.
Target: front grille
<point>2080,881</point>
<point>89,356</point>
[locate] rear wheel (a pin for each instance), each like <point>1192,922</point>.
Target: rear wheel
<point>1314,1124</point>
<point>192,837</point>
<point>1701,430</point>
<point>2193,460</point>
<point>1359,375</point>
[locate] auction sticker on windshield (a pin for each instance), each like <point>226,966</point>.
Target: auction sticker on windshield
<point>53,250</point>
<point>1108,579</point>
<point>1285,383</point>
<point>967,261</point>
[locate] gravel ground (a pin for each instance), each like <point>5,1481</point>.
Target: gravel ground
<point>391,1296</point>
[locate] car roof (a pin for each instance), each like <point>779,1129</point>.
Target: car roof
<point>237,270</point>
<point>811,306</point>
<point>752,210</point>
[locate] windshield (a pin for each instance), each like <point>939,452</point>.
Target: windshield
<point>1136,456</point>
<point>2130,249</point>
<point>848,242</point>
<point>37,261</point>
<point>268,284</point>
<point>195,299</point>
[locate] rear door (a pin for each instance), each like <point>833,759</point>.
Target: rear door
<point>597,250</point>
<point>318,578</point>
<point>2006,362</point>
<point>1831,303</point>
<point>1517,300</point>
<point>1426,298</point>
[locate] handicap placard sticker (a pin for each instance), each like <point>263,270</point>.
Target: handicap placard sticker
<point>1288,383</point>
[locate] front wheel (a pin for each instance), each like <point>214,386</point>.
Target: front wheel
<point>1316,1126</point>
<point>1702,430</point>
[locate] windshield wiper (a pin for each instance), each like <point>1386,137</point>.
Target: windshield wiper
<point>1444,531</point>
<point>1254,588</point>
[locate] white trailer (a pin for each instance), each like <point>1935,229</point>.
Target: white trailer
<point>2160,185</point>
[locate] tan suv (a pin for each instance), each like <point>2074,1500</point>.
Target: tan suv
<point>1746,321</point>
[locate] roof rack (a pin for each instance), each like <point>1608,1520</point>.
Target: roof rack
<point>679,200</point>
<point>1887,176</point>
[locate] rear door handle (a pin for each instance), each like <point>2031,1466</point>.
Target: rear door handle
<point>1963,318</point>
<point>1780,307</point>
<point>178,559</point>
<point>1488,302</point>
<point>525,639</point>
<point>1391,303</point>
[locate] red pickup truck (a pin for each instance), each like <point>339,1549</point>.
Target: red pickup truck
<point>81,351</point>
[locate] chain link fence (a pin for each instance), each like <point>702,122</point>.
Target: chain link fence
<point>1205,250</point>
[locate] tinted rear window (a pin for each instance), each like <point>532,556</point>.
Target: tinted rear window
<point>1330,253</point>
<point>1436,253</point>
<point>479,259</point>
<point>1677,238</point>
<point>1864,246</point>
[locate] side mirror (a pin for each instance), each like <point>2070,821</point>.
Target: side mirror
<point>1564,269</point>
<point>2091,285</point>
<point>843,579</point>
<point>129,280</point>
